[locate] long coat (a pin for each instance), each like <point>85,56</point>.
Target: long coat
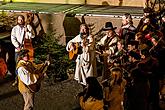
<point>86,61</point>
<point>115,95</point>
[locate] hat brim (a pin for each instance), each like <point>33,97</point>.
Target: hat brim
<point>105,29</point>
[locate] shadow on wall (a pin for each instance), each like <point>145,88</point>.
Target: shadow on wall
<point>50,26</point>
<point>71,26</point>
<point>120,2</point>
<point>105,3</point>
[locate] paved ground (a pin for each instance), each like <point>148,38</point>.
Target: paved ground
<point>58,96</point>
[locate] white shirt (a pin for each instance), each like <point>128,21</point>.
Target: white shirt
<point>17,34</point>
<point>25,76</point>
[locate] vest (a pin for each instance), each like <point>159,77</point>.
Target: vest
<point>30,67</point>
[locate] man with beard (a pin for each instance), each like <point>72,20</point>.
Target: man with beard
<point>108,47</point>
<point>85,57</point>
<point>18,34</point>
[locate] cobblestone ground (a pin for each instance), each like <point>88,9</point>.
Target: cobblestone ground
<point>58,96</point>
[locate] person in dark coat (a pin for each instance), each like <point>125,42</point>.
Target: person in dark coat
<point>129,98</point>
<point>148,68</point>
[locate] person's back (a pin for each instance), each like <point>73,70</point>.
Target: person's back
<point>114,91</point>
<point>92,96</point>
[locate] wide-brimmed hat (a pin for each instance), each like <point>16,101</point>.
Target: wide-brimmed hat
<point>109,26</point>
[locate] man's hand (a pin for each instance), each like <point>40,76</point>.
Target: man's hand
<point>71,46</point>
<point>19,49</point>
<point>105,53</point>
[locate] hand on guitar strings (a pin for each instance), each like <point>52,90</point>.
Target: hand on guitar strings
<point>18,48</point>
<point>72,46</point>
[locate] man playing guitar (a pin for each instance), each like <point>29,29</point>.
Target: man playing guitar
<point>29,77</point>
<point>108,46</point>
<point>85,60</point>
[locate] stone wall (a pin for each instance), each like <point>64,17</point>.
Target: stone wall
<point>68,26</point>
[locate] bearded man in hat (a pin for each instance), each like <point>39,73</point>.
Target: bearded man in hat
<point>29,74</point>
<point>108,45</point>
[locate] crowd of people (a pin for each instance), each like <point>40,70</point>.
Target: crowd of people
<point>131,60</point>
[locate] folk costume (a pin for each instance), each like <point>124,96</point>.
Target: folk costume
<point>18,34</point>
<point>85,61</point>
<point>27,75</point>
<point>127,30</point>
<point>108,47</point>
<point>109,42</point>
<point>114,92</point>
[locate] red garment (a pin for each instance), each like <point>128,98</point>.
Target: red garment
<point>3,68</point>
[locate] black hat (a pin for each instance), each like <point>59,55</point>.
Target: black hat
<point>23,52</point>
<point>109,26</point>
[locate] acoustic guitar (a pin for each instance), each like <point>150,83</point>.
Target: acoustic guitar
<point>77,49</point>
<point>28,42</point>
<point>28,45</point>
<point>36,86</point>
